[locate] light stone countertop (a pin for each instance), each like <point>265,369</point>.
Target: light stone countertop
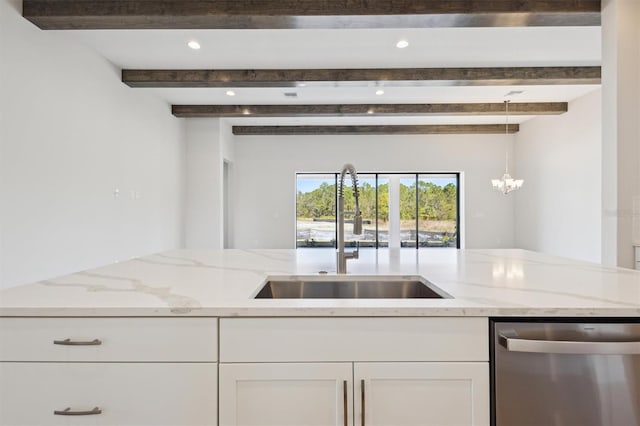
<point>223,283</point>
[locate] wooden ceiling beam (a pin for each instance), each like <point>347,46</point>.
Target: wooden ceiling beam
<point>279,14</point>
<point>375,130</point>
<point>361,110</point>
<point>405,77</point>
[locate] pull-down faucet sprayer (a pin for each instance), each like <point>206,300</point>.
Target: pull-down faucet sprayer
<point>357,218</point>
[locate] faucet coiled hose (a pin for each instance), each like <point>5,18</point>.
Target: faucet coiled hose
<point>354,180</point>
<point>357,222</point>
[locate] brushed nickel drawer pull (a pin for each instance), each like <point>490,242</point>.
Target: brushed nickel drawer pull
<point>345,402</point>
<point>362,401</point>
<point>67,412</point>
<point>69,342</point>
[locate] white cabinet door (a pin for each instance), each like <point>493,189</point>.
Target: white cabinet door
<point>295,394</point>
<point>419,394</point>
<point>135,394</point>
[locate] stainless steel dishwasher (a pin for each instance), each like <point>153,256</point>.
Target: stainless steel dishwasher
<point>565,373</point>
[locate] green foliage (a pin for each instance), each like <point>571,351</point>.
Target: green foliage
<point>407,201</point>
<point>318,203</point>
<point>436,202</point>
<point>383,202</point>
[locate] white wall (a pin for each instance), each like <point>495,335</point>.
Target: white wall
<point>265,167</point>
<point>228,158</point>
<point>71,134</point>
<point>209,145</point>
<point>558,210</point>
<point>204,191</point>
<point>620,130</point>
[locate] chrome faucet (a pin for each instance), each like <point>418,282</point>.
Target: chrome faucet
<point>357,218</point>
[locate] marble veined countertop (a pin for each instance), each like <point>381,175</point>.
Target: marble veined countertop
<point>224,282</point>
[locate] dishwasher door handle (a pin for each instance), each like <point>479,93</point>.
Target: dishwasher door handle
<point>568,347</point>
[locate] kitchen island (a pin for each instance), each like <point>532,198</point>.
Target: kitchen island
<point>177,338</point>
<point>222,283</point>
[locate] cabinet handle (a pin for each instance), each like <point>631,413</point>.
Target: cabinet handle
<point>345,402</point>
<point>69,342</point>
<point>67,412</point>
<point>362,401</point>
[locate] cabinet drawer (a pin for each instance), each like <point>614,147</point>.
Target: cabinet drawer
<point>112,339</point>
<point>353,339</point>
<point>126,393</point>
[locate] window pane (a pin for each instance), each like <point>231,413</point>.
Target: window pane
<point>316,210</point>
<point>367,190</point>
<point>438,213</point>
<point>383,211</point>
<point>408,211</point>
<point>368,209</point>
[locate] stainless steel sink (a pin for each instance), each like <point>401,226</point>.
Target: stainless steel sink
<point>349,287</point>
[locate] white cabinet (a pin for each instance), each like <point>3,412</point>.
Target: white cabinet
<point>353,339</point>
<point>637,253</point>
<point>137,394</point>
<point>337,394</point>
<point>397,371</point>
<point>108,371</point>
<point>416,394</point>
<point>109,339</point>
<point>272,371</point>
<point>294,394</point>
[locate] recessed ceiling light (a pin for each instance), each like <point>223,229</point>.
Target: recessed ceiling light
<point>370,111</point>
<point>194,45</point>
<point>379,92</point>
<point>402,44</point>
<point>231,93</point>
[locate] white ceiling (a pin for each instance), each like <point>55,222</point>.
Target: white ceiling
<point>327,121</point>
<point>370,48</point>
<point>357,95</point>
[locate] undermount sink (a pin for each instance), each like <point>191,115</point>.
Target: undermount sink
<point>349,287</point>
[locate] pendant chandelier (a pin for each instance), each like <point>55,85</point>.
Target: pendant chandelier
<point>506,183</point>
